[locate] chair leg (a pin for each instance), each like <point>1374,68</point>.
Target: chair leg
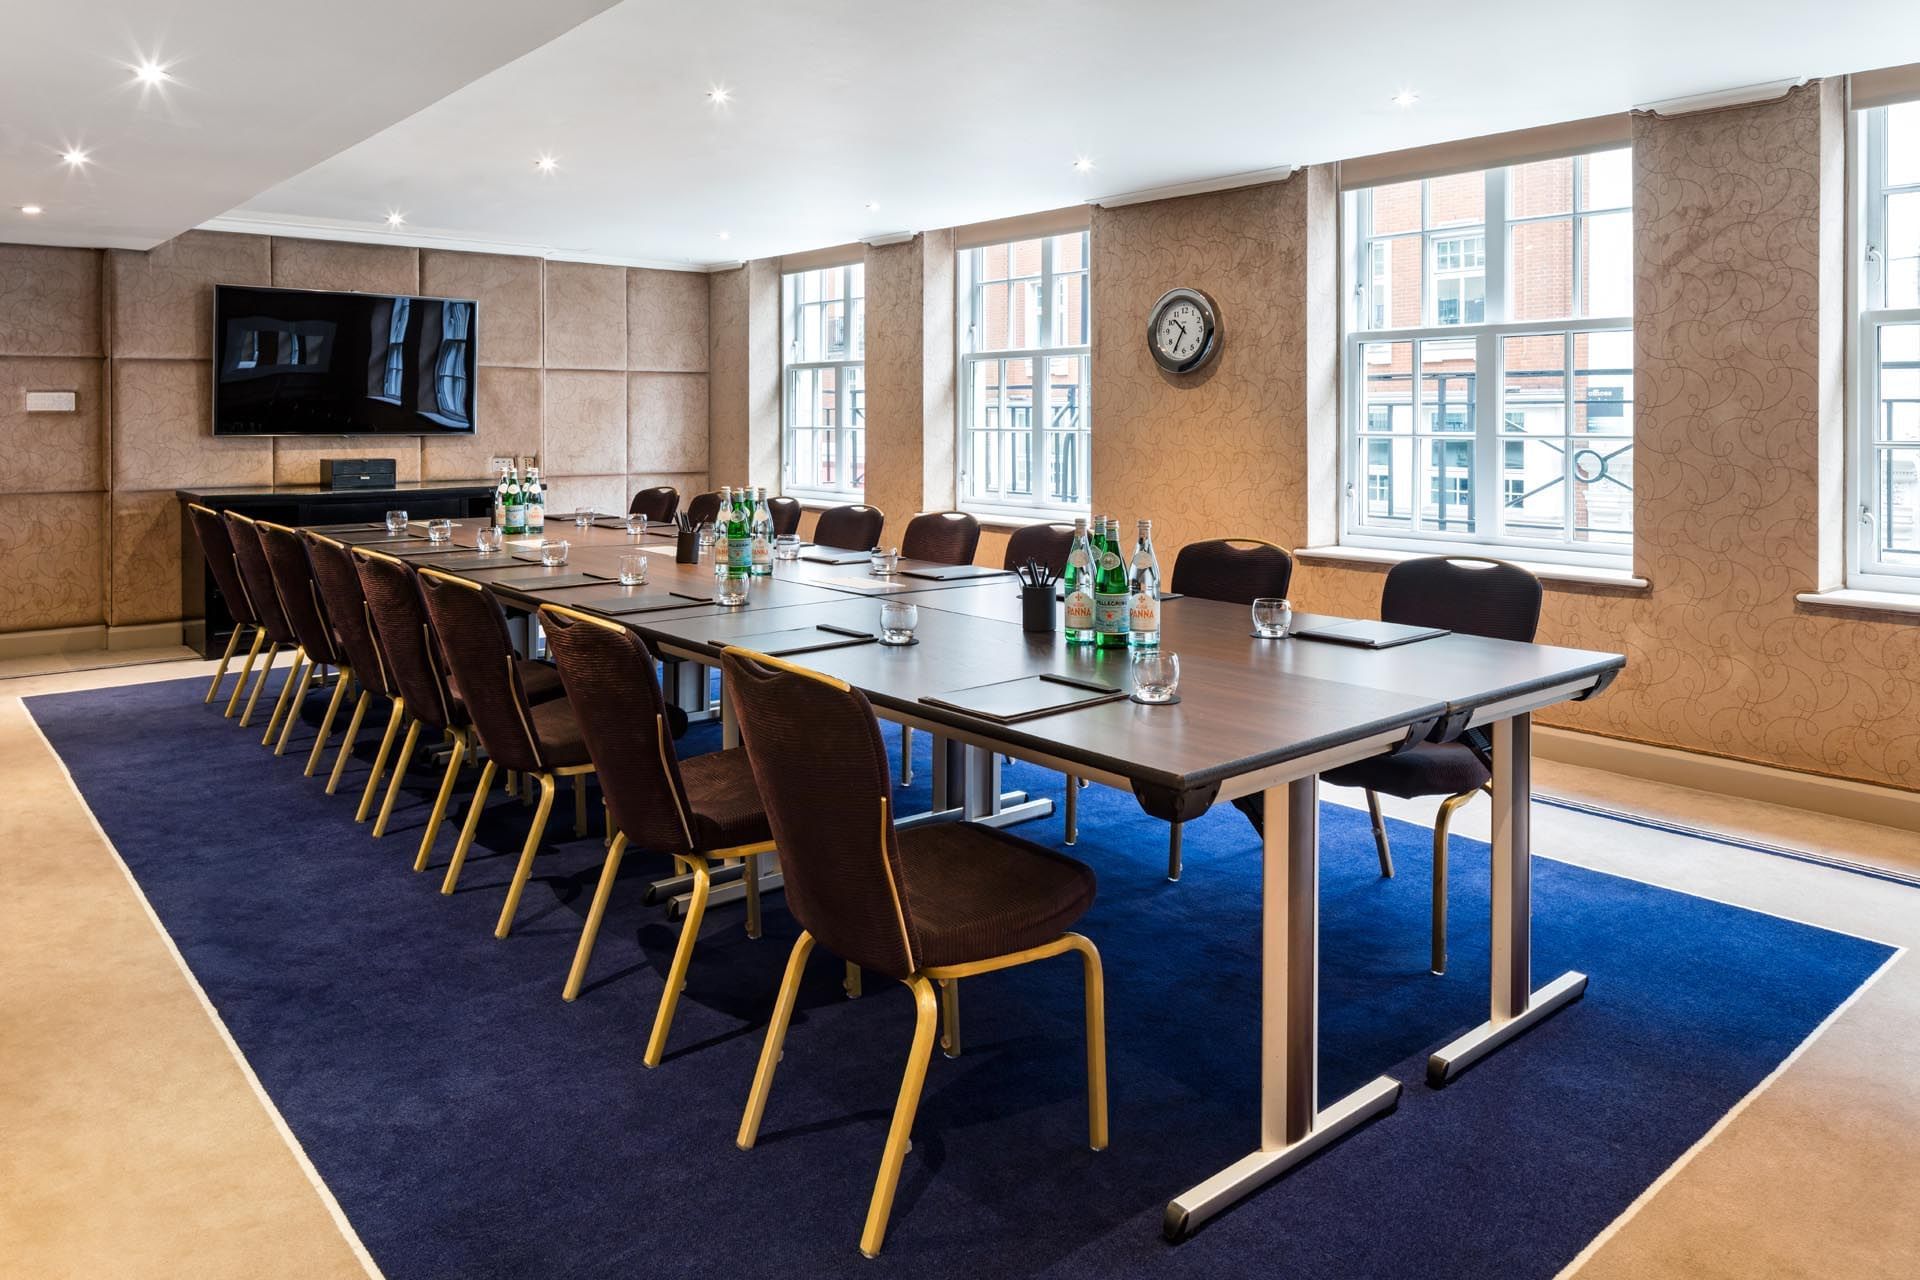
<point>468,827</point>
<point>595,913</point>
<point>266,668</point>
<point>240,686</point>
<point>340,685</point>
<point>1440,825</point>
<point>527,851</point>
<point>400,764</point>
<point>579,804</point>
<point>220,672</point>
<point>850,983</point>
<point>293,708</point>
<point>1073,810</point>
<point>1096,1042</point>
<point>346,743</point>
<point>1380,835</point>
<point>1173,850</point>
<point>682,957</point>
<point>454,759</point>
<point>950,1017</point>
<point>286,692</point>
<point>906,755</point>
<point>380,759</point>
<point>927,1015</point>
<point>776,1037</point>
<point>751,882</point>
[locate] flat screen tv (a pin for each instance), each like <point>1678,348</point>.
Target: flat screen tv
<point>294,362</point>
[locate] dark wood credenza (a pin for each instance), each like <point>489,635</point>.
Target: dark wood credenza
<point>208,620</point>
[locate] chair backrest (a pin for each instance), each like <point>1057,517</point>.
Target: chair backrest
<point>346,605</point>
<point>944,537</point>
<point>1468,594</point>
<point>610,682</point>
<point>1236,570</point>
<point>658,503</point>
<point>822,771</point>
<point>251,559</point>
<point>704,508</point>
<point>415,671</point>
<point>483,668</point>
<point>851,528</point>
<point>786,515</point>
<point>1048,544</point>
<point>299,596</point>
<point>217,547</point>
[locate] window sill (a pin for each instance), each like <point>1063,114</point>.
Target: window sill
<point>1852,599</point>
<point>825,501</point>
<point>1000,518</point>
<point>1565,574</point>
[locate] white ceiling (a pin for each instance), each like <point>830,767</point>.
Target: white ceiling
<point>944,113</point>
<point>259,93</point>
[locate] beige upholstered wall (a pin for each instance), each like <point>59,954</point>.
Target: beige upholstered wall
<point>910,378</point>
<point>599,373</point>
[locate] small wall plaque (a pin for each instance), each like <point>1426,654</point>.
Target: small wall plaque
<point>50,402</point>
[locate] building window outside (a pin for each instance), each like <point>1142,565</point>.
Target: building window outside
<point>1025,376</point>
<point>1884,475</point>
<point>825,415</point>
<point>1497,343</point>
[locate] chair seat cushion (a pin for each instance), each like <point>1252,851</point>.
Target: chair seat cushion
<point>541,680</point>
<point>726,804</point>
<point>1424,769</point>
<point>561,743</point>
<point>975,892</point>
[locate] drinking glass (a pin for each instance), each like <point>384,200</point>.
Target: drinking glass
<point>897,621</point>
<point>633,571</point>
<point>489,539</point>
<point>728,588</point>
<point>1272,617</point>
<point>583,517</point>
<point>439,531</point>
<point>636,525</point>
<point>1156,675</point>
<point>554,554</point>
<point>786,547</point>
<point>704,534</point>
<point>396,523</point>
<point>885,561</point>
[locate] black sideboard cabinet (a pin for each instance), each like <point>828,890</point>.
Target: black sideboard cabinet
<point>210,622</point>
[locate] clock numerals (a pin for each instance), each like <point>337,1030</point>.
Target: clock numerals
<point>1182,332</point>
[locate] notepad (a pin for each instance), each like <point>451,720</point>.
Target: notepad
<point>1025,698</point>
<point>468,560</point>
<point>376,539</point>
<point>556,582</point>
<point>1364,633</point>
<point>779,644</point>
<point>955,572</point>
<point>614,603</point>
<point>826,555</point>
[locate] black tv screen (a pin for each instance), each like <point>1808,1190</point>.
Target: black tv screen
<point>292,362</point>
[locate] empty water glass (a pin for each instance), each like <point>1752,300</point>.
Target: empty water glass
<point>636,525</point>
<point>554,554</point>
<point>633,571</point>
<point>728,588</point>
<point>786,547</point>
<point>583,517</point>
<point>897,621</point>
<point>489,539</point>
<point>704,534</point>
<point>1156,675</point>
<point>396,523</point>
<point>1271,617</point>
<point>439,531</point>
<point>885,561</point>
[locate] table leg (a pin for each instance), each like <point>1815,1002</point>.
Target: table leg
<point>1292,1125</point>
<point>1516,1005</point>
<point>966,787</point>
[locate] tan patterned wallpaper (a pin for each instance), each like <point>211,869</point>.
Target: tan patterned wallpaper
<point>744,375</point>
<point>909,378</point>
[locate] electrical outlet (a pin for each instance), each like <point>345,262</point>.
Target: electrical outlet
<point>499,464</point>
<point>50,401</point>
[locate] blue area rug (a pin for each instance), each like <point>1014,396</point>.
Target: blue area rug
<point>472,1124</point>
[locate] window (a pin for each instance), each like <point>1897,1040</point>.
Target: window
<point>825,393</point>
<point>1489,361</point>
<point>1025,372</point>
<point>1885,471</point>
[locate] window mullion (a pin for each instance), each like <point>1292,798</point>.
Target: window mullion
<point>1486,443</point>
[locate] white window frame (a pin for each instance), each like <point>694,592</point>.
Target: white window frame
<point>852,421</point>
<point>967,329</point>
<point>1867,568</point>
<point>1489,491</point>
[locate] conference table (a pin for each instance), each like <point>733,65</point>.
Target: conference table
<point>1255,716</point>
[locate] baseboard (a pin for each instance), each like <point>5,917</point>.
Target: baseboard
<point>93,639</point>
<point>1838,797</point>
<point>145,635</point>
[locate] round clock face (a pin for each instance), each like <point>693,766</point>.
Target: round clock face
<point>1181,330</point>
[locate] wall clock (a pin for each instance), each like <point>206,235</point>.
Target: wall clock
<point>1183,330</point>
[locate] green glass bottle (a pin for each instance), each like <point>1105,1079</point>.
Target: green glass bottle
<point>515,506</point>
<point>1079,583</point>
<point>1110,595</point>
<point>738,516</point>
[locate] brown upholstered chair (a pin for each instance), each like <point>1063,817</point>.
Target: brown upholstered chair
<point>300,598</point>
<point>251,559</point>
<point>1046,543</point>
<point>931,905</point>
<point>851,528</point>
<point>540,740</point>
<point>701,810</point>
<point>943,537</point>
<point>658,503</point>
<point>704,509</point>
<point>345,601</point>
<point>786,515</point>
<point>217,547</point>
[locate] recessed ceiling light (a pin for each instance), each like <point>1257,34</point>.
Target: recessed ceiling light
<point>31,210</point>
<point>1405,98</point>
<point>76,157</point>
<point>546,163</point>
<point>1083,164</point>
<point>151,73</point>
<point>719,95</point>
<point>873,206</point>
<point>395,218</point>
<point>725,235</point>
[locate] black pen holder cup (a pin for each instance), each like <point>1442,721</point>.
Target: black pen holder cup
<point>686,549</point>
<point>1036,610</point>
